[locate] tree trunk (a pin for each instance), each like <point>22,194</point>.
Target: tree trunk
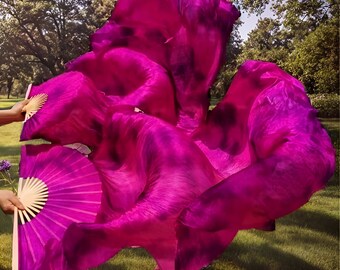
<point>10,82</point>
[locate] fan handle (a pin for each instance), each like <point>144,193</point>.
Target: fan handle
<point>15,243</point>
<point>28,91</point>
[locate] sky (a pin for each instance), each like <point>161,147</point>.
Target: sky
<point>249,21</point>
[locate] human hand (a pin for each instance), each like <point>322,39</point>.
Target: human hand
<point>18,110</point>
<point>8,202</point>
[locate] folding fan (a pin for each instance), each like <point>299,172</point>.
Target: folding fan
<point>58,186</point>
<point>35,103</point>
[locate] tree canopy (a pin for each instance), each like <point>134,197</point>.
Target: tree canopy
<point>37,39</point>
<point>303,39</point>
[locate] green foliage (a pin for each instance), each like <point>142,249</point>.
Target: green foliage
<point>252,6</point>
<point>98,12</point>
<point>328,105</point>
<point>303,39</point>
<point>315,59</point>
<point>39,37</point>
<point>304,16</point>
<point>267,42</point>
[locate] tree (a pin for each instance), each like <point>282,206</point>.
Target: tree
<point>267,42</point>
<point>315,59</point>
<point>252,6</point>
<point>49,30</point>
<point>303,40</point>
<point>304,16</point>
<point>98,12</point>
<point>12,66</point>
<point>40,36</point>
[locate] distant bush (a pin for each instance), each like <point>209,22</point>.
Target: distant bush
<point>326,104</point>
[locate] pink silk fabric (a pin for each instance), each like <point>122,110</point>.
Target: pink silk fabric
<point>179,180</point>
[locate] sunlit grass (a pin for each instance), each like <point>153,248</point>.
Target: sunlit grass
<point>305,239</point>
<point>8,103</point>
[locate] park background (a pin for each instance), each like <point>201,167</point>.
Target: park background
<point>37,39</point>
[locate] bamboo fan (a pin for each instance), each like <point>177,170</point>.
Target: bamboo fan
<point>34,105</point>
<point>33,194</point>
<point>58,186</point>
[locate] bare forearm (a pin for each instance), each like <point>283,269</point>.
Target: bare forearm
<point>8,116</point>
<point>15,114</point>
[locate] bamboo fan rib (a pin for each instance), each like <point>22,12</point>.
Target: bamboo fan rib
<point>33,195</point>
<point>34,105</point>
<point>28,91</point>
<point>59,186</point>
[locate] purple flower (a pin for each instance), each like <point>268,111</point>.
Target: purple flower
<point>5,165</point>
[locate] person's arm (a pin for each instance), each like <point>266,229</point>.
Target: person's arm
<point>15,114</point>
<point>8,201</point>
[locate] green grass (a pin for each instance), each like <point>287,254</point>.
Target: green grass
<point>8,103</point>
<point>306,239</point>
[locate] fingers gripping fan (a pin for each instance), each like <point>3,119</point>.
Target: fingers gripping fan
<point>58,186</point>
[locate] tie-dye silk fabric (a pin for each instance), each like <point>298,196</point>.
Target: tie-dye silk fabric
<point>179,180</point>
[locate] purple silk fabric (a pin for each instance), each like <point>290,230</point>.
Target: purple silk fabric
<point>196,53</point>
<point>129,77</point>
<point>188,38</point>
<point>74,111</point>
<point>178,180</point>
<point>150,172</point>
<point>74,195</point>
<point>163,62</point>
<point>265,139</point>
<point>144,27</point>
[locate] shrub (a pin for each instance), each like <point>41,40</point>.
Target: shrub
<point>326,104</point>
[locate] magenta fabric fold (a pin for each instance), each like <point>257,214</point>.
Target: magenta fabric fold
<point>129,77</point>
<point>197,52</point>
<point>74,195</point>
<point>74,111</point>
<point>151,171</point>
<point>143,27</point>
<point>265,139</point>
<point>178,180</point>
<point>188,38</point>
<point>197,248</point>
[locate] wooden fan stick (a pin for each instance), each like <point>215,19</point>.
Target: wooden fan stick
<point>28,91</point>
<point>15,243</point>
<point>34,105</point>
<point>33,194</point>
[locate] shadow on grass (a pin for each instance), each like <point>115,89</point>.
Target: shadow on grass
<point>9,151</point>
<point>108,266</point>
<point>334,181</point>
<point>314,221</point>
<point>6,224</point>
<point>262,257</point>
<point>125,255</point>
<point>4,268</point>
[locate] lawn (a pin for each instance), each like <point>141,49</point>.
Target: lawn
<point>305,239</point>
